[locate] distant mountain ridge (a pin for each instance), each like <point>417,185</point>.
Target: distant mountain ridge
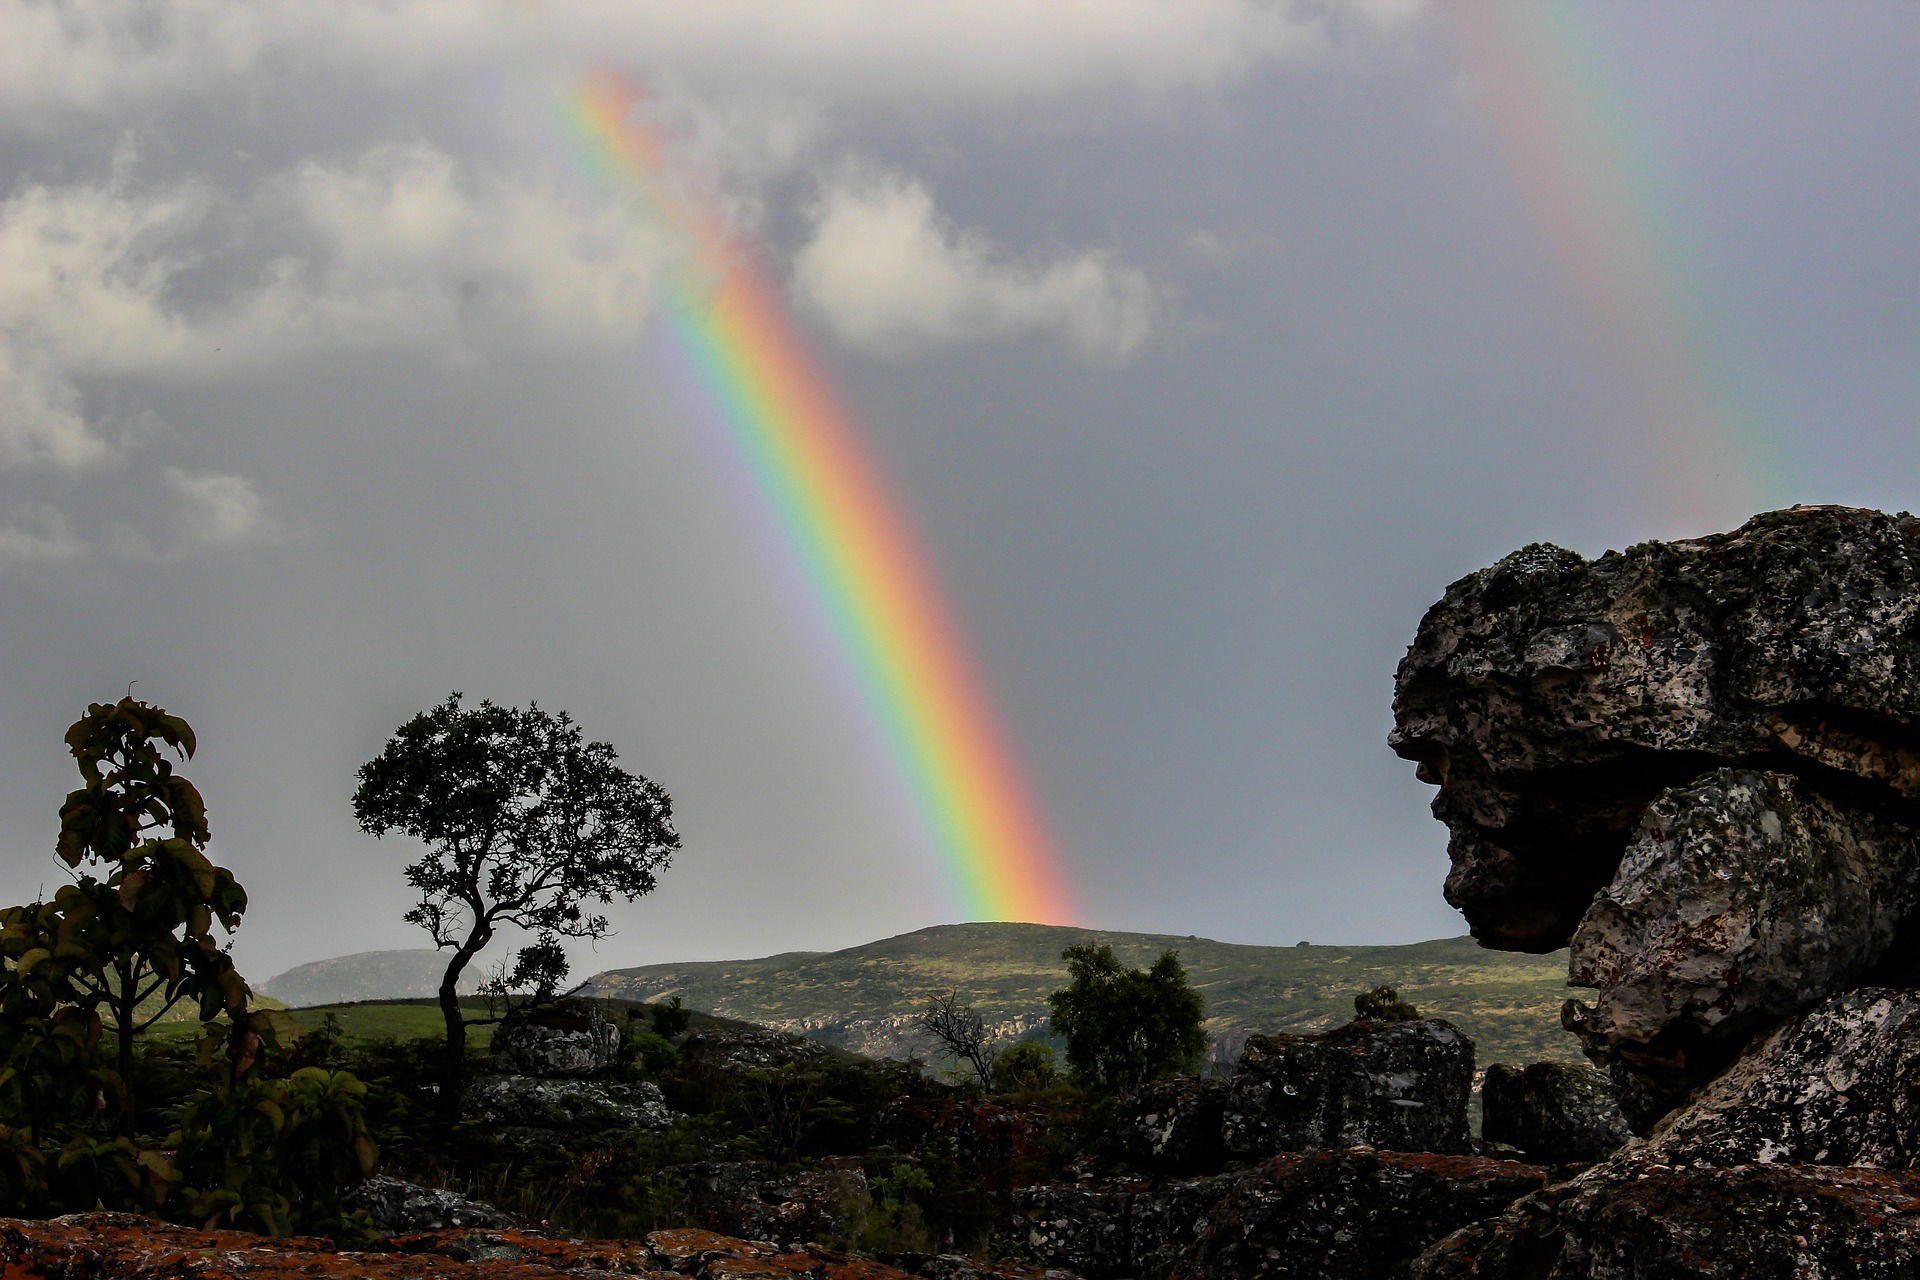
<point>367,975</point>
<point>868,998</point>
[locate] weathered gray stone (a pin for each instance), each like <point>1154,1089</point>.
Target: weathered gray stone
<point>1697,761</point>
<point>1319,1215</point>
<point>755,1200</point>
<point>1399,1086</point>
<point>1552,697</point>
<point>1552,1112</point>
<point>1839,1085</point>
<point>1742,897</point>
<point>571,1039</point>
<point>396,1206</point>
<point>1631,1218</point>
<point>566,1104</point>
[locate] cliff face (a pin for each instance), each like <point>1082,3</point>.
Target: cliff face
<point>1699,764</point>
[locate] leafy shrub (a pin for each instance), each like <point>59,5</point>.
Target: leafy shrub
<point>1024,1068</point>
<point>1383,1004</point>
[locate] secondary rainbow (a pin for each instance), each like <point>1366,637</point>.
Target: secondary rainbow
<point>1585,159</point>
<point>852,542</point>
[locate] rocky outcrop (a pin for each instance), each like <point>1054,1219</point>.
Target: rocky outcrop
<point>395,1206</point>
<point>115,1246</point>
<point>1634,1219</point>
<point>1697,761</point>
<point>1322,1215</point>
<point>754,1199</point>
<point>574,1038</point>
<point>1399,1086</point>
<point>528,1102</point>
<point>1839,1085</point>
<point>1552,1112</point>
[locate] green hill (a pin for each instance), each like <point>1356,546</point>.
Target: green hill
<point>867,998</point>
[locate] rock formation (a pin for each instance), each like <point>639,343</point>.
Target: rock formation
<point>1698,762</point>
<point>1398,1086</point>
<point>541,1088</point>
<point>1551,1112</point>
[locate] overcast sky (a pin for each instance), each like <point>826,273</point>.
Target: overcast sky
<point>1204,341</point>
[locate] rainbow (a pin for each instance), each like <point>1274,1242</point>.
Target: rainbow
<point>1585,165</point>
<point>851,541</point>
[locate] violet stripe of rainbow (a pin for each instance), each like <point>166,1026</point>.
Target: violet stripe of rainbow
<point>856,548</point>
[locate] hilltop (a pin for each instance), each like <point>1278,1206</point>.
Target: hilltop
<point>867,998</point>
<point>366,975</point>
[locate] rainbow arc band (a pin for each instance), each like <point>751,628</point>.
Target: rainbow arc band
<point>853,544</point>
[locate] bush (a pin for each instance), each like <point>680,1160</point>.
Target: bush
<point>1025,1067</point>
<point>1124,1026</point>
<point>1383,1004</point>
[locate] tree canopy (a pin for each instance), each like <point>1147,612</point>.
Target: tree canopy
<point>1127,1026</point>
<point>526,825</point>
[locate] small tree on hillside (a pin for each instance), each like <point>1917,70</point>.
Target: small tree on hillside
<point>1125,1026</point>
<point>960,1030</point>
<point>524,823</point>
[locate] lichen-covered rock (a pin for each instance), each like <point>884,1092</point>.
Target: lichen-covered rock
<point>395,1206</point>
<point>1839,1085</point>
<point>1743,896</point>
<point>1633,1219</point>
<point>1085,1229</point>
<point>1552,697</point>
<point>574,1038</point>
<point>1697,761</point>
<point>1321,1215</point>
<point>1399,1086</point>
<point>752,1198</point>
<point>997,1144</point>
<point>566,1104</point>
<point>1352,1215</point>
<point>1552,1112</point>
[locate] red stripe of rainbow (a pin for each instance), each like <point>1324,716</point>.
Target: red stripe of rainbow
<point>852,541</point>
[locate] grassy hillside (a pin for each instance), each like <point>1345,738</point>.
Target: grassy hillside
<point>866,998</point>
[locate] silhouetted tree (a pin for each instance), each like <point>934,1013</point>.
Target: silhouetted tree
<point>1127,1026</point>
<point>132,936</point>
<point>524,823</point>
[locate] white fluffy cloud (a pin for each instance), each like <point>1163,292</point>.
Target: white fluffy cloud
<point>890,274</point>
<point>106,282</point>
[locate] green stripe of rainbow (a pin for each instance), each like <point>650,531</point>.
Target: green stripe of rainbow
<point>854,544</point>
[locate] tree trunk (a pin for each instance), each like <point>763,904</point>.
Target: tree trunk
<point>123,1007</point>
<point>453,1070</point>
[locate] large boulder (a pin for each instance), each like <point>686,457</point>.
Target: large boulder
<point>1397,1085</point>
<point>1698,762</point>
<point>574,1038</point>
<point>1632,1218</point>
<point>1839,1085</point>
<point>1552,1112</point>
<point>1552,697</point>
<point>1318,1215</point>
<point>1743,896</point>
